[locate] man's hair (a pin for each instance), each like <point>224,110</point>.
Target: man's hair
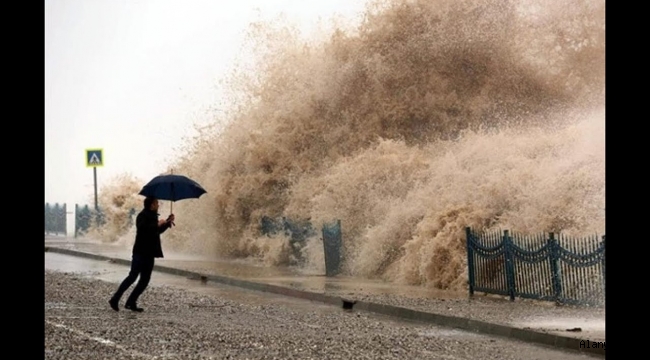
<point>148,201</point>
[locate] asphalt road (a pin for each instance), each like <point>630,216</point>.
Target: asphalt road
<point>188,319</point>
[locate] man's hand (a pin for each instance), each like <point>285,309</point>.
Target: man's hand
<point>162,222</point>
<point>170,219</point>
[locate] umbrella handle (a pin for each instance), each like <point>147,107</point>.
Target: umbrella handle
<point>171,207</point>
<point>171,203</point>
<point>170,214</point>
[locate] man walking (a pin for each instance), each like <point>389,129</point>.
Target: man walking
<point>147,247</point>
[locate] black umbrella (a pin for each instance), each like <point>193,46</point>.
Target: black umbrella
<point>173,188</point>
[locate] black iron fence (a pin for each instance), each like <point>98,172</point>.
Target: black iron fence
<point>562,269</point>
<point>85,218</point>
<point>55,219</point>
<point>298,233</point>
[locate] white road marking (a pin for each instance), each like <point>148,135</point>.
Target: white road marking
<point>100,340</point>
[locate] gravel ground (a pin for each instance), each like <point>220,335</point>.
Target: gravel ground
<point>221,322</point>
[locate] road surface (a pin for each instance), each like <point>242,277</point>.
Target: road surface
<point>188,319</point>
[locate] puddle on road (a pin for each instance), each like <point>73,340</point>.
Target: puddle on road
<point>442,332</point>
<point>108,271</point>
<point>565,324</point>
<point>345,286</point>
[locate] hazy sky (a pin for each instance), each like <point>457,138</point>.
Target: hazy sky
<point>132,76</point>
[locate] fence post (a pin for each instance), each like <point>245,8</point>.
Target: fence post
<point>555,267</point>
<point>603,263</point>
<point>65,219</point>
<point>332,242</point>
<point>62,218</point>
<point>131,214</point>
<point>57,210</point>
<point>510,269</point>
<point>47,218</point>
<point>470,260</point>
<point>87,218</point>
<point>76,219</point>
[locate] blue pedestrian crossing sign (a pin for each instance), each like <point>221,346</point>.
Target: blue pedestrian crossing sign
<point>94,158</point>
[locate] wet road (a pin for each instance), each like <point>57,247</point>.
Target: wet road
<point>188,319</point>
<point>524,314</point>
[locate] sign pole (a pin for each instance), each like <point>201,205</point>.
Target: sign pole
<point>95,178</point>
<point>94,158</point>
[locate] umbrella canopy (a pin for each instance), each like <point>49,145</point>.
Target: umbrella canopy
<point>173,188</point>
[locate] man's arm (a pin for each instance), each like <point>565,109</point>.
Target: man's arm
<point>163,225</point>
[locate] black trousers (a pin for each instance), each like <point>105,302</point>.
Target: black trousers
<point>141,266</point>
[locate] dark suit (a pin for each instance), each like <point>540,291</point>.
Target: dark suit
<point>147,247</point>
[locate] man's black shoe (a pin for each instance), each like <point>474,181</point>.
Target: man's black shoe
<point>113,305</point>
<point>133,308</point>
